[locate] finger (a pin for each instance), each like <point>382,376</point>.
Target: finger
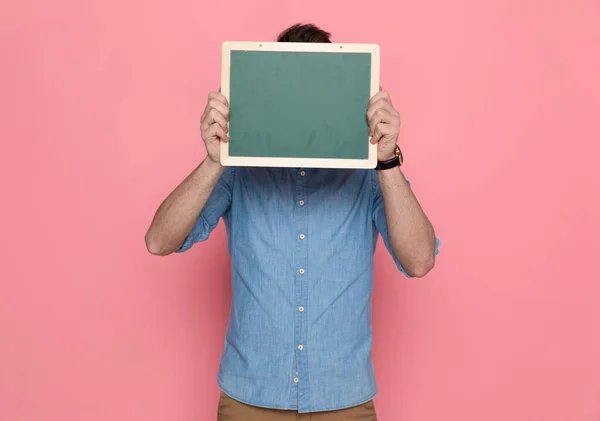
<point>381,95</point>
<point>213,104</point>
<point>210,132</point>
<point>380,102</point>
<point>214,116</point>
<point>220,107</point>
<point>222,134</point>
<point>214,132</point>
<point>380,116</point>
<point>218,96</point>
<point>382,130</point>
<point>385,106</point>
<point>380,105</point>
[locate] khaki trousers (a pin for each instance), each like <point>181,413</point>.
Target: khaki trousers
<point>232,410</point>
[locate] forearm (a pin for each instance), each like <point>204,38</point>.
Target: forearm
<point>177,215</point>
<point>411,234</point>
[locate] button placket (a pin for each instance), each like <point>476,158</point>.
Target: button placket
<point>301,286</point>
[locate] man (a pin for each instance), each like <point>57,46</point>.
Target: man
<point>301,240</point>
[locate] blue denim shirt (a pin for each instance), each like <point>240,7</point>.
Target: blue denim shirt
<point>301,243</point>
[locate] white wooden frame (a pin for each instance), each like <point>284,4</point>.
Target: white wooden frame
<point>230,46</point>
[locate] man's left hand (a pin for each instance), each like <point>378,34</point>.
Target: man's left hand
<point>384,124</point>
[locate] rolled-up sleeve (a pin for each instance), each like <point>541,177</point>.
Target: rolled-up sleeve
<point>381,222</point>
<point>217,205</point>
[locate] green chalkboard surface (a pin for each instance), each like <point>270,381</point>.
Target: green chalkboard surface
<point>294,104</point>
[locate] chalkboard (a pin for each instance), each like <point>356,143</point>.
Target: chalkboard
<point>299,104</point>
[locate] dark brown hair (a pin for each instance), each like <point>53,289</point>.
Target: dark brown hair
<point>304,33</point>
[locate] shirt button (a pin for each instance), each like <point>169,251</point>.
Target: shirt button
<point>300,309</point>
<point>302,236</point>
<point>301,271</point>
<point>301,203</point>
<point>300,347</point>
<point>302,173</point>
<point>296,379</point>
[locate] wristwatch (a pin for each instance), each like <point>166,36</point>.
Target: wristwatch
<point>396,161</point>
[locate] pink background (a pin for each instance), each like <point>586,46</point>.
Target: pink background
<point>100,102</point>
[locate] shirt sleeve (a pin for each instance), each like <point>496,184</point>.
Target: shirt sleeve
<point>381,222</point>
<point>217,205</point>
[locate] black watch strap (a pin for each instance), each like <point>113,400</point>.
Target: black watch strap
<point>396,161</point>
<point>386,165</point>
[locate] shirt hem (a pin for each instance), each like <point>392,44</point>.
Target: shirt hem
<point>287,408</point>
<point>337,408</point>
<point>247,402</point>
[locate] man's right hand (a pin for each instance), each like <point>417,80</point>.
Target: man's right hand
<point>214,124</point>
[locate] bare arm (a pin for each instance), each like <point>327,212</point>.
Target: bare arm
<point>411,234</point>
<point>178,213</point>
